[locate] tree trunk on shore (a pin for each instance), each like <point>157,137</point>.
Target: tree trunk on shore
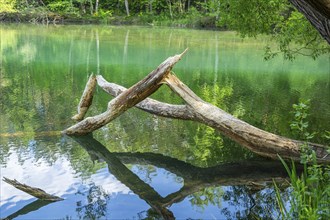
<point>318,14</point>
<point>259,141</point>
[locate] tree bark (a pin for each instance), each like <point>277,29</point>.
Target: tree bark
<point>86,99</point>
<point>318,14</point>
<point>258,141</point>
<point>127,99</point>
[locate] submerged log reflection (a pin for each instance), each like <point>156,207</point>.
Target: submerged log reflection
<point>31,207</point>
<point>254,173</point>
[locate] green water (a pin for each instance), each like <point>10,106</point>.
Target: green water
<point>175,163</point>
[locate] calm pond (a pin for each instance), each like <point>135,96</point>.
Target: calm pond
<point>141,165</point>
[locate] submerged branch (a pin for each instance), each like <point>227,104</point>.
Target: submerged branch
<point>35,192</point>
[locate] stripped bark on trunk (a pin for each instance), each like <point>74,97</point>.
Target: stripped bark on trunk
<point>258,141</point>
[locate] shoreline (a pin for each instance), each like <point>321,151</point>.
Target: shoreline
<point>51,18</point>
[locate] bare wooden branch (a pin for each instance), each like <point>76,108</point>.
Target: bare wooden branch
<point>126,99</point>
<point>259,141</point>
<point>86,98</point>
<point>35,192</point>
<point>183,112</point>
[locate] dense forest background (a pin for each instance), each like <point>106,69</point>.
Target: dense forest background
<point>291,31</point>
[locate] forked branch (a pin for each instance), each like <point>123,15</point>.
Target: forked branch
<point>126,99</point>
<point>259,141</point>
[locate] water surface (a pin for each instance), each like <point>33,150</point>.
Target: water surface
<point>150,166</point>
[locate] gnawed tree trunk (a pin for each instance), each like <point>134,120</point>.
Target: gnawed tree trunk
<point>86,98</point>
<point>260,142</point>
<point>125,100</point>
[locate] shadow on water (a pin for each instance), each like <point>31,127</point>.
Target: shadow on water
<point>254,174</point>
<point>246,178</point>
<point>31,207</point>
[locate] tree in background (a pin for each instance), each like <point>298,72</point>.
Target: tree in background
<point>280,19</point>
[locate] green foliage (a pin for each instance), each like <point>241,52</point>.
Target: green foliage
<point>7,6</point>
<point>254,17</point>
<point>60,6</point>
<point>310,196</point>
<point>291,33</point>
<point>300,124</point>
<point>104,13</point>
<point>296,36</point>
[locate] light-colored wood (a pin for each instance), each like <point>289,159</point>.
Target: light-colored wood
<point>86,98</point>
<point>126,99</point>
<point>258,141</point>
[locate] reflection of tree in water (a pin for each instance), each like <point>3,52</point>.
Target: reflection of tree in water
<point>258,202</point>
<point>207,196</point>
<point>96,203</point>
<point>248,192</point>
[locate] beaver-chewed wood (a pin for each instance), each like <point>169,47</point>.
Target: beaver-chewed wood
<point>127,99</point>
<point>86,98</point>
<point>258,141</point>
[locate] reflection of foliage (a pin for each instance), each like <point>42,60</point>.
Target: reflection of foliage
<point>208,196</point>
<point>83,163</point>
<point>217,95</point>
<point>96,203</point>
<point>145,172</point>
<point>207,142</point>
<point>257,203</point>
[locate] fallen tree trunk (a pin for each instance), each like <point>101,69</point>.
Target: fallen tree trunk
<point>125,100</point>
<point>260,142</point>
<point>257,140</point>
